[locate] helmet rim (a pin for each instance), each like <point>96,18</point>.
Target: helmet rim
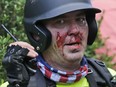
<point>62,10</point>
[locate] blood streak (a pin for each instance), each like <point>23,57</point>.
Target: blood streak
<point>79,37</point>
<point>60,39</point>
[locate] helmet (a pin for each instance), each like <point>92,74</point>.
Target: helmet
<point>37,10</point>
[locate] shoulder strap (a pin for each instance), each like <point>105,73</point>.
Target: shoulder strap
<point>101,74</point>
<point>38,80</point>
<point>91,80</point>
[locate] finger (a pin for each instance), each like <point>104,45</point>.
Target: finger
<point>23,44</point>
<point>32,53</point>
<point>26,45</point>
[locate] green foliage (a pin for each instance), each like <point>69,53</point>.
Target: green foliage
<point>90,52</point>
<point>11,15</point>
<point>3,45</point>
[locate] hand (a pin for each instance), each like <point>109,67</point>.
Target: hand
<point>32,53</point>
<point>14,63</point>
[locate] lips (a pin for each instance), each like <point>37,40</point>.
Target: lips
<point>75,40</point>
<point>74,43</point>
<point>73,47</point>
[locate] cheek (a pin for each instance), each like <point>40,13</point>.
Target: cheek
<point>86,34</point>
<point>60,39</point>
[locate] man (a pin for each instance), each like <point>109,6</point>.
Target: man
<point>59,32</point>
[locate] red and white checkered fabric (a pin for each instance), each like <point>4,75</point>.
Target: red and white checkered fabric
<point>61,76</point>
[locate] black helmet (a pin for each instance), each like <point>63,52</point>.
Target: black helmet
<point>37,10</point>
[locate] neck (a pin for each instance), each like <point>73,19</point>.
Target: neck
<point>68,66</point>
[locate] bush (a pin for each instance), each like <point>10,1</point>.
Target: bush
<point>11,16</point>
<point>91,52</point>
<point>3,44</point>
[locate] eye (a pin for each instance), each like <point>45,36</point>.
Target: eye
<point>81,21</point>
<point>60,23</point>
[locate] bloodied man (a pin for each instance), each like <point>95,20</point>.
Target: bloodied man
<point>69,40</point>
<point>59,34</point>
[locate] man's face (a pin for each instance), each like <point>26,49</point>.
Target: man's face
<point>69,36</point>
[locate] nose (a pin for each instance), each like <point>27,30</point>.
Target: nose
<point>73,28</point>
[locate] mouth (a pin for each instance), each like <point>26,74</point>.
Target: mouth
<point>73,43</point>
<point>74,46</point>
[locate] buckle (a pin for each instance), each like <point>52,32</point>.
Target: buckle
<point>90,71</point>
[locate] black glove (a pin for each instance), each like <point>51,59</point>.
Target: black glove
<point>14,64</point>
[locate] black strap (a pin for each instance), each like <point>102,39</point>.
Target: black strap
<point>91,80</point>
<point>101,73</point>
<point>38,80</point>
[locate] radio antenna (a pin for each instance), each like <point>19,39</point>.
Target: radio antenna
<point>15,39</point>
